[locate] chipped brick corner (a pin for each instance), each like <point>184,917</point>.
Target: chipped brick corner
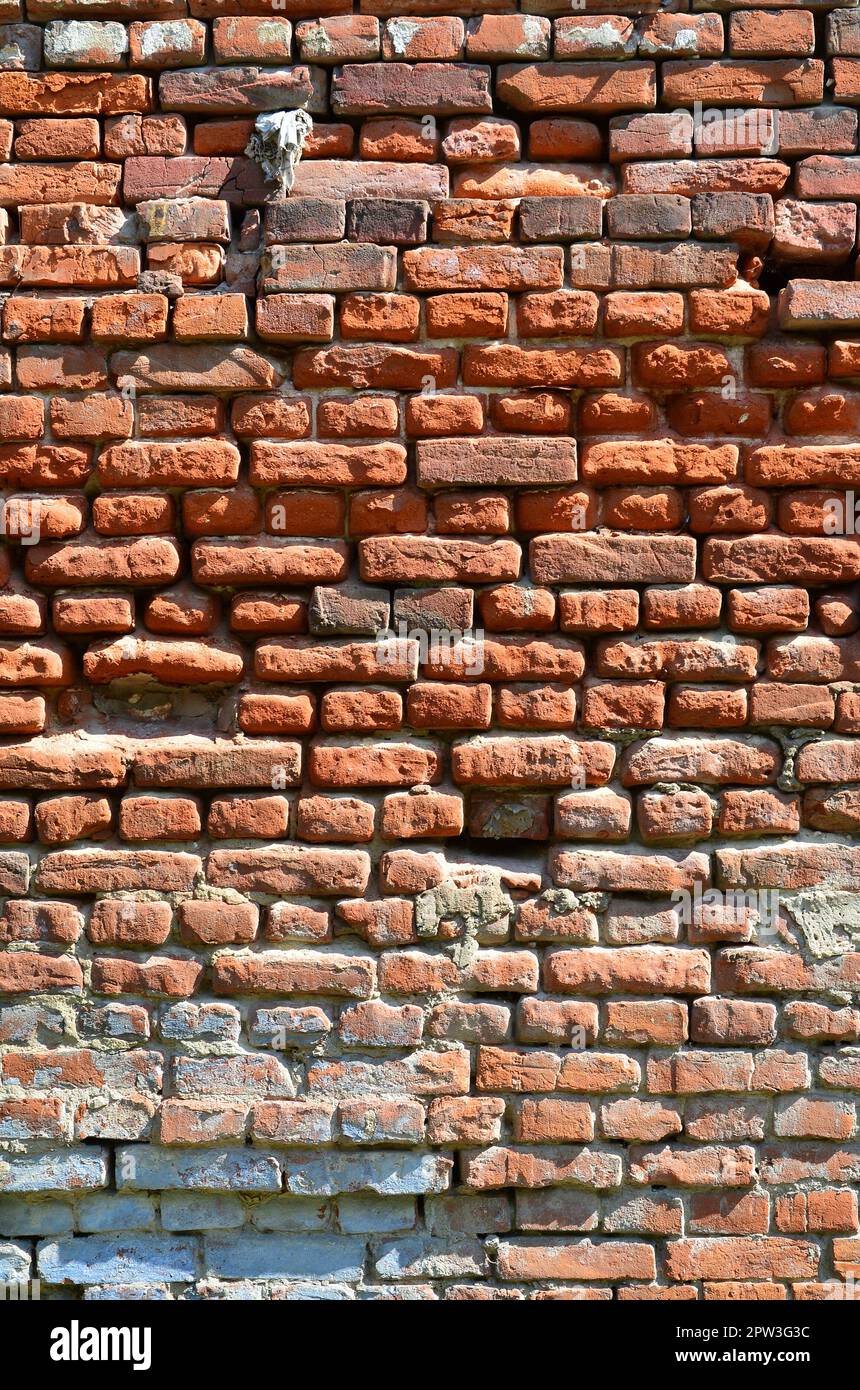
<point>430,651</point>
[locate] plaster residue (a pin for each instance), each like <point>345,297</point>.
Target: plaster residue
<point>469,907</point>
<point>828,921</point>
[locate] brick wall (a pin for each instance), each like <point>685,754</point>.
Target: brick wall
<point>430,658</point>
